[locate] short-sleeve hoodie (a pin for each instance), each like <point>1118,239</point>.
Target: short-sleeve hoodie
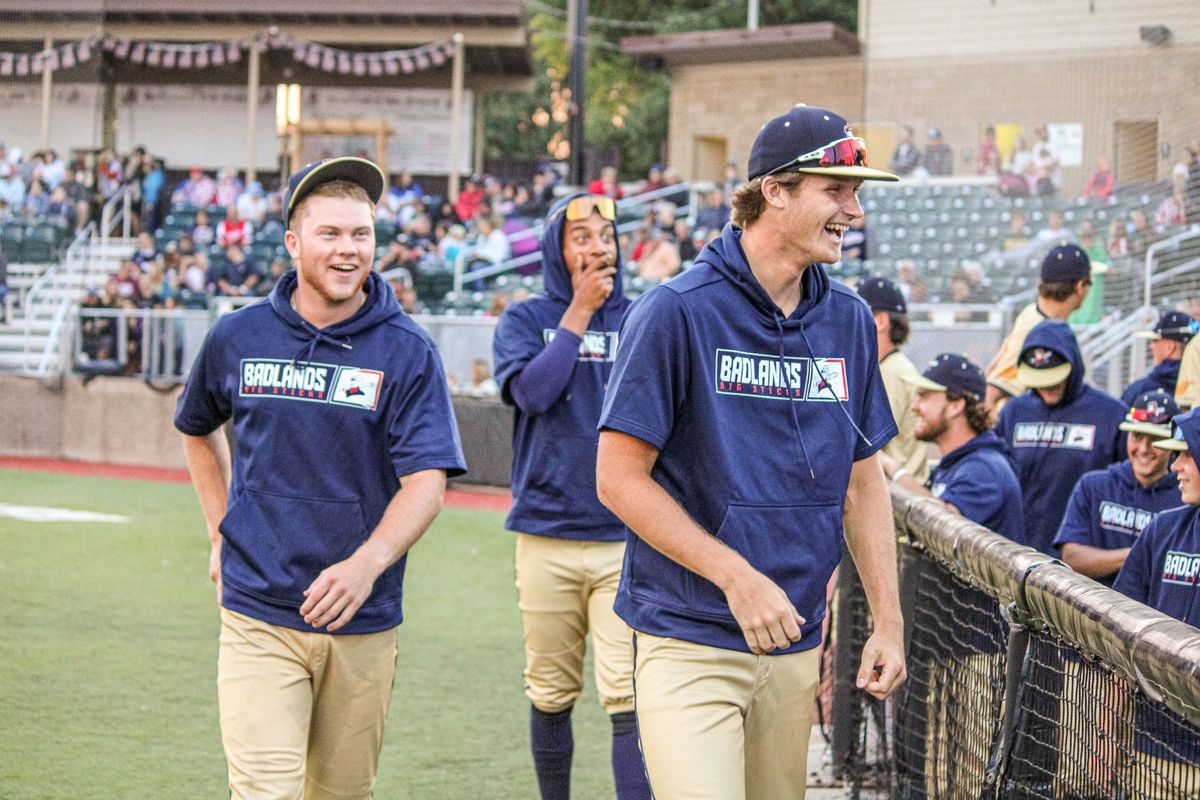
<point>324,422</point>
<point>758,420</point>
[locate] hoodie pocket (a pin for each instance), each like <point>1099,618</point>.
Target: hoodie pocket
<point>562,474</point>
<point>795,546</point>
<point>276,545</point>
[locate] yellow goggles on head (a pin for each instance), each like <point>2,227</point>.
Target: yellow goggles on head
<point>582,207</point>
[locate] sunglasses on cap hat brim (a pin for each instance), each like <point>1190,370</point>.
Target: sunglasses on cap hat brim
<point>584,206</point>
<point>843,157</point>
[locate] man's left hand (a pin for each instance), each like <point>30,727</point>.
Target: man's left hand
<point>339,591</point>
<point>882,667</point>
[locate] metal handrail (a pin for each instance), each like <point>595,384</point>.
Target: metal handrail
<point>33,297</point>
<point>109,217</point>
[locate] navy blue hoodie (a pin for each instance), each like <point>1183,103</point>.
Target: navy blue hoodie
<point>324,421</point>
<point>758,420</point>
<point>1053,447</point>
<point>1164,376</point>
<point>979,480</point>
<point>1109,509</point>
<point>554,451</point>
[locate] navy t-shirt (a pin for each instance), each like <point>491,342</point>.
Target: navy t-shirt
<point>1164,564</point>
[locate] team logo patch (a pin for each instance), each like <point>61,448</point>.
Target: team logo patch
<point>596,345</point>
<point>1124,519</point>
<point>1181,568</point>
<point>1064,435</point>
<point>357,387</point>
<point>310,382</point>
<point>937,490</point>
<point>796,379</point>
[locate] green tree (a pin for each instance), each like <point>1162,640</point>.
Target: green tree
<point>627,107</point>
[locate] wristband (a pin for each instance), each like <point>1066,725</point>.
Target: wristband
<point>898,474</point>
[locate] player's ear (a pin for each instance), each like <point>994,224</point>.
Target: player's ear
<point>292,242</point>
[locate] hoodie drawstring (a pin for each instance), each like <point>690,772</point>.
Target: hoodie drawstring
<point>825,384</point>
<point>791,403</point>
<point>317,336</point>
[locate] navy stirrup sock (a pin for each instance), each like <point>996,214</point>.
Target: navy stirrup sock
<point>553,744</point>
<point>629,771</point>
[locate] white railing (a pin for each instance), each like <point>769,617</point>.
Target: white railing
<point>40,301</point>
<point>117,211</point>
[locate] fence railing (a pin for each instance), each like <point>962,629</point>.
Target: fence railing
<point>1026,679</point>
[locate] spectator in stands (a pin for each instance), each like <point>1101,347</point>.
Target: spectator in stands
<point>715,213</point>
<point>1118,240</point>
<point>1092,309</point>
<point>607,184</point>
<point>987,157</point>
<point>469,198</point>
<point>53,169</point>
<point>1056,229</point>
<point>906,157</point>
<point>654,179</point>
<point>1172,210</point>
<point>1047,169</point>
<point>910,282</point>
<point>1141,233</point>
<point>491,245</point>
<point>1168,338</point>
<point>482,383</point>
<point>229,187</point>
<point>37,200</point>
<point>109,174</point>
<point>857,244</point>
<point>1100,184</point>
<point>153,184</point>
<point>1018,234</point>
<point>273,220</point>
<point>237,275</point>
<point>1057,431</point>
<point>1110,508</point>
<point>193,285</point>
<point>692,243</point>
<point>975,476</point>
<point>1018,166</point>
<point>452,243</point>
<point>234,230</point>
<point>541,194</point>
<point>659,258</point>
<point>252,204</point>
<point>75,189</point>
<point>279,265</point>
<point>12,188</point>
<point>939,157</point>
<point>1066,278</point>
<point>99,334</point>
<point>124,281</point>
<point>61,208</point>
<point>733,180</point>
<point>891,331</point>
<point>146,251</point>
<point>404,197</point>
<point>197,190</point>
<point>83,215</point>
<point>1089,240</point>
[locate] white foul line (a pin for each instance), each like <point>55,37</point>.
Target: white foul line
<point>44,514</point>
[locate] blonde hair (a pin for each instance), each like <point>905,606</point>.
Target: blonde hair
<point>330,189</point>
<point>748,202</point>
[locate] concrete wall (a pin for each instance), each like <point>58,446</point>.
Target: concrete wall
<point>115,420</point>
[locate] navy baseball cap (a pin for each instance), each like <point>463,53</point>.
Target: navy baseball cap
<point>882,295</point>
<point>1041,367</point>
<point>1174,325</point>
<point>1185,433</point>
<point>810,139</point>
<point>358,171</point>
<point>1151,414</point>
<point>1067,263</point>
<point>950,371</point>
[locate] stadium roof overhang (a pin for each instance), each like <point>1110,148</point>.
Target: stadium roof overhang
<point>497,54</point>
<point>810,40</point>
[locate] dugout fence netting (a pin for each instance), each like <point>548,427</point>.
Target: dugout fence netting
<point>1026,680</point>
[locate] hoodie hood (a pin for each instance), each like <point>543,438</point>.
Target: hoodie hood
<point>1122,473</point>
<point>726,256</point>
<point>380,306</point>
<point>988,440</point>
<point>556,276</point>
<point>1057,336</point>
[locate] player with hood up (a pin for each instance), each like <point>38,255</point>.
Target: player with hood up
<point>1058,430</point>
<point>553,356</point>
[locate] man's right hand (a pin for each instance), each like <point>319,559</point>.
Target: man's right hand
<point>592,283</point>
<point>766,616</point>
<point>214,566</point>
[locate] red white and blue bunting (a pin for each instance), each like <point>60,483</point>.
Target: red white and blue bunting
<point>169,55</point>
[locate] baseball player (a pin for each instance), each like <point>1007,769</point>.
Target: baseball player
<point>344,437</point>
<point>974,478</point>
<point>1162,571</point>
<point>1066,278</point>
<point>1168,339</point>
<point>1058,430</point>
<point>743,414</point>
<point>891,331</point>
<point>1109,508</point>
<point>553,357</point>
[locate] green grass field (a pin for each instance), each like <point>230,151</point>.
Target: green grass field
<point>109,641</point>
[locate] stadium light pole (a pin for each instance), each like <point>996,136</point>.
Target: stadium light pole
<point>577,44</point>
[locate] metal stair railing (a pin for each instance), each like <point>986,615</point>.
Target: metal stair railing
<point>45,300</point>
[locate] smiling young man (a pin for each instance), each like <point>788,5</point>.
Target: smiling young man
<point>1109,508</point>
<point>742,418</point>
<point>1168,340</point>
<point>553,357</point>
<point>344,436</point>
